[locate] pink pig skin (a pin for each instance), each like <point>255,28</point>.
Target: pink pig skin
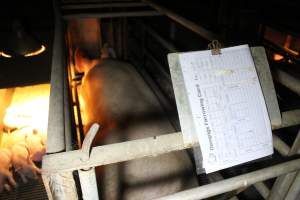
<point>6,178</point>
<point>22,163</point>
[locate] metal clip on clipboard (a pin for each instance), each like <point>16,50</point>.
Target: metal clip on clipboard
<point>215,47</point>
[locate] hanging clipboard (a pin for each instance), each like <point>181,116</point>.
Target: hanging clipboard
<point>187,106</point>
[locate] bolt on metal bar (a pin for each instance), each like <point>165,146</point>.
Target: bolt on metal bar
<point>235,182</point>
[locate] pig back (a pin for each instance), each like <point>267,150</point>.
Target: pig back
<point>117,97</point>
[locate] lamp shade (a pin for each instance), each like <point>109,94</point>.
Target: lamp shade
<point>21,43</point>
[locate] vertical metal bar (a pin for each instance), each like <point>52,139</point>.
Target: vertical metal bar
<point>56,137</point>
<point>88,184</point>
<point>58,185</point>
<point>67,114</point>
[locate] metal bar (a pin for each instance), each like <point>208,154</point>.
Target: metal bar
<point>60,185</point>
<point>280,146</point>
<point>287,80</point>
<point>283,183</point>
<point>262,189</point>
<point>184,22</point>
<point>112,15</point>
<point>294,191</point>
<point>114,153</point>
<point>235,182</point>
<point>296,145</point>
<point>102,5</point>
<point>289,118</point>
<point>88,184</point>
<point>160,39</point>
<point>281,186</point>
<point>56,136</point>
<point>67,114</point>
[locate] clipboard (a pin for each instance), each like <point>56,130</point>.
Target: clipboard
<point>185,112</point>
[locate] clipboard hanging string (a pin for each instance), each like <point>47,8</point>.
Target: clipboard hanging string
<point>215,47</point>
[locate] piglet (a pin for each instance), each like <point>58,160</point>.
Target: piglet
<point>36,147</point>
<point>6,178</point>
<point>22,162</point>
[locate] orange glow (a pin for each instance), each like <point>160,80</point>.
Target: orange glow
<point>4,54</point>
<point>29,108</point>
<point>287,45</point>
<point>37,52</point>
<point>277,57</point>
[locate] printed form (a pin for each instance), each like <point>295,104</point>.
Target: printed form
<point>228,107</point>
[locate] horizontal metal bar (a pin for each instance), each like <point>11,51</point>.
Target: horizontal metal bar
<point>185,22</point>
<point>102,5</point>
<point>113,153</point>
<point>235,182</point>
<point>112,15</point>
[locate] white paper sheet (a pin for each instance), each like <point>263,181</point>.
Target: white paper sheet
<point>228,107</point>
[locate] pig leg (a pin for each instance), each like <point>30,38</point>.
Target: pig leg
<point>6,178</point>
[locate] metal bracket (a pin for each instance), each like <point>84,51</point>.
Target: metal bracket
<point>86,145</point>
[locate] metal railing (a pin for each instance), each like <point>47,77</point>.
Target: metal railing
<point>59,164</point>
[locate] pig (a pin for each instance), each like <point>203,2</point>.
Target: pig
<point>6,177</point>
<point>116,97</point>
<point>22,162</point>
<point>36,146</point>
